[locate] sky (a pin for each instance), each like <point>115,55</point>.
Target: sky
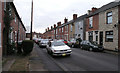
<point>46,13</point>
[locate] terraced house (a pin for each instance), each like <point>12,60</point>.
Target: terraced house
<point>80,25</point>
<point>18,30</point>
<point>102,25</point>
<point>108,25</point>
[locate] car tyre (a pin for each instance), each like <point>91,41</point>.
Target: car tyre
<point>90,49</point>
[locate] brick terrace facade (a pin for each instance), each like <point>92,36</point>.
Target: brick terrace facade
<point>18,30</point>
<point>96,28</point>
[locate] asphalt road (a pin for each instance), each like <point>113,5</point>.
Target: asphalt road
<point>80,60</point>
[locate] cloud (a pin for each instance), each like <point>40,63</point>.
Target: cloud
<point>49,12</point>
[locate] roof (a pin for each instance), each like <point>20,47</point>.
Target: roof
<point>12,4</point>
<point>105,7</point>
<point>71,21</point>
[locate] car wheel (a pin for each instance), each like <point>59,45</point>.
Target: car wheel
<point>90,49</point>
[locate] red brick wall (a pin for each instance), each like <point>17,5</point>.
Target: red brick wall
<point>95,23</point>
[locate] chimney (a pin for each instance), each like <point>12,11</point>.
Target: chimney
<point>54,25</point>
<point>74,16</point>
<point>59,23</point>
<point>94,9</point>
<point>65,20</point>
<point>48,28</point>
<point>51,27</point>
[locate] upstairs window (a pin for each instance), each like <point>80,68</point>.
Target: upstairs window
<point>109,17</point>
<point>71,28</point>
<point>62,29</point>
<point>90,22</point>
<point>5,5</point>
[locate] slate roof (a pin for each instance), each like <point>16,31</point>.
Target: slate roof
<point>105,7</point>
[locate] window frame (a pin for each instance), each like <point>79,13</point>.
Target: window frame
<point>106,34</point>
<point>90,22</point>
<point>108,16</point>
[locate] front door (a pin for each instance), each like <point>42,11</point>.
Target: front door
<point>101,38</point>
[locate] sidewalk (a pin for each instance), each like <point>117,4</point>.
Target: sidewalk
<point>111,52</point>
<point>35,63</point>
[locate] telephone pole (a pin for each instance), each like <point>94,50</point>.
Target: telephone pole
<point>31,21</point>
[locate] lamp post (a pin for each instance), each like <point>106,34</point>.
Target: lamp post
<point>31,21</point>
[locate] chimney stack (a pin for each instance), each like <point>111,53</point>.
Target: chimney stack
<point>59,23</point>
<point>94,9</point>
<point>54,25</point>
<point>48,28</point>
<point>51,27</point>
<point>74,16</point>
<point>65,20</point>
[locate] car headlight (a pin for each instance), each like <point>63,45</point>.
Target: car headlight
<point>95,46</point>
<point>56,51</point>
<point>69,50</point>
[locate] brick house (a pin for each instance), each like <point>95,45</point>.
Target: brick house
<point>92,25</point>
<point>64,30</point>
<point>108,25</point>
<point>80,27</point>
<point>18,30</point>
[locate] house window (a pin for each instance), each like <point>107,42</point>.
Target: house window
<point>62,29</point>
<point>90,22</point>
<point>56,31</point>
<point>15,18</point>
<point>5,5</point>
<point>109,36</point>
<point>109,17</point>
<point>71,28</point>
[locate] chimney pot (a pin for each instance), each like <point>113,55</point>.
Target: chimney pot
<point>59,23</point>
<point>74,16</point>
<point>65,20</point>
<point>94,9</point>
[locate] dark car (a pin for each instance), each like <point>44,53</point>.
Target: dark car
<point>43,43</point>
<point>91,46</point>
<point>74,43</point>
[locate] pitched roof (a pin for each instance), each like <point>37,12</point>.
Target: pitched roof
<point>105,7</point>
<point>12,4</point>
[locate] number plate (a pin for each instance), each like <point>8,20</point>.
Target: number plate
<point>63,54</point>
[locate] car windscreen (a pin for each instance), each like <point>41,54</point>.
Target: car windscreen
<point>44,41</point>
<point>58,43</point>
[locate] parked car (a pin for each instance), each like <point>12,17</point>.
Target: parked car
<point>74,43</point>
<point>43,43</point>
<point>91,46</point>
<point>65,41</point>
<point>58,48</point>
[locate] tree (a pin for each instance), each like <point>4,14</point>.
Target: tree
<point>7,21</point>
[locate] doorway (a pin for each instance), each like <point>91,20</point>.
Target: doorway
<point>101,38</point>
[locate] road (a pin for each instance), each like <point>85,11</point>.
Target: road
<point>80,60</point>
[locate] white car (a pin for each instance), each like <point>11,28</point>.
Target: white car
<point>58,48</point>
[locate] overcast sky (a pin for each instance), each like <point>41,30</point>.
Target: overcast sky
<point>49,12</point>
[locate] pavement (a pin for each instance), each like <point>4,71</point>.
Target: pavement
<point>35,63</point>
